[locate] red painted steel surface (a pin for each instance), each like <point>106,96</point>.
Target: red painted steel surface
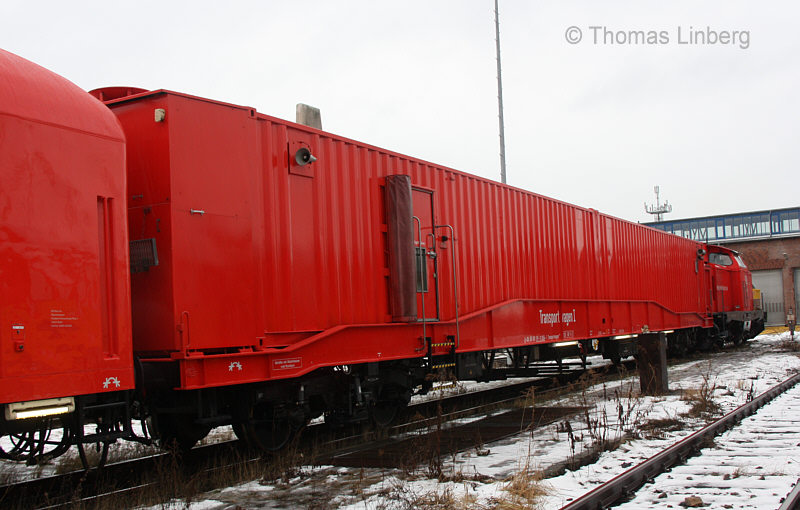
<point>270,269</point>
<point>64,294</point>
<point>731,283</point>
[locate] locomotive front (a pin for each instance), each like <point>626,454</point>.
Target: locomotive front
<point>731,289</point>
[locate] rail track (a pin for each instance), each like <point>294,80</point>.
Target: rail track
<point>699,456</point>
<point>128,478</point>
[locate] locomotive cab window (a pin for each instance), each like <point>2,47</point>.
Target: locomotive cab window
<point>422,269</point>
<point>720,259</point>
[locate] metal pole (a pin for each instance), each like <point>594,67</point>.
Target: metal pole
<point>500,96</point>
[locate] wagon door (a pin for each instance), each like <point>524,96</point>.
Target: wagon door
<point>425,255</point>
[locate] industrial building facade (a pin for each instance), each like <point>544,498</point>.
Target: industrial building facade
<point>769,242</point>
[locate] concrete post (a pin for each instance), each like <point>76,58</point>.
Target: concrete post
<point>652,363</point>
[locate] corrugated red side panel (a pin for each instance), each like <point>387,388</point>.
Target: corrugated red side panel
<point>287,264</point>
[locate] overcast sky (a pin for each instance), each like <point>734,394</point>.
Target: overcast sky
<point>597,123</point>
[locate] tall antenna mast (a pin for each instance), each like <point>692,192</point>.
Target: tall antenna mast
<point>658,210</point>
<point>500,96</point>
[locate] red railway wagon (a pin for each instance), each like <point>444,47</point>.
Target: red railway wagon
<point>269,251</point>
<point>65,333</point>
<point>287,265</point>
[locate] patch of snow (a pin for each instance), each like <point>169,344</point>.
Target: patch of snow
<point>616,414</point>
<point>617,411</point>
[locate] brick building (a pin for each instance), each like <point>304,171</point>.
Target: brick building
<point>769,242</point>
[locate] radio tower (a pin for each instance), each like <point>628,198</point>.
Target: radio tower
<point>500,96</point>
<point>658,210</point>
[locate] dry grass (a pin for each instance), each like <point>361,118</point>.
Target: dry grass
<point>426,456</point>
<point>173,486</point>
<point>404,496</point>
<point>287,464</point>
<point>71,461</point>
<point>739,471</point>
<point>524,490</point>
<point>702,400</point>
<point>605,431</point>
<point>8,474</point>
<point>789,345</point>
<point>658,428</point>
<point>441,500</point>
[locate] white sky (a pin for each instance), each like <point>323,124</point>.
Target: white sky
<point>592,124</point>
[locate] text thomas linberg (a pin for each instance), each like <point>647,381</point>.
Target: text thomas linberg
<point>690,36</point>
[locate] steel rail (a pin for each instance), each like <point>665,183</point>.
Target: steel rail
<point>124,476</point>
<point>630,481</point>
<point>792,500</point>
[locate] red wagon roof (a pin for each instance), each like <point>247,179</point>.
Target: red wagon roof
<point>32,92</point>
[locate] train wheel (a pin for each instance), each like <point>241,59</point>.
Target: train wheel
<point>239,431</point>
<point>10,451</point>
<point>736,332</point>
<point>38,446</point>
<point>703,341</point>
<point>679,344</point>
<point>269,428</point>
<point>691,341</point>
<point>16,446</point>
<point>392,400</point>
<point>178,433</point>
<point>93,456</point>
<point>384,412</point>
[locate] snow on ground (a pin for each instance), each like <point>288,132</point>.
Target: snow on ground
<point>70,461</point>
<point>509,471</point>
<point>749,466</point>
<point>633,427</point>
<point>733,377</point>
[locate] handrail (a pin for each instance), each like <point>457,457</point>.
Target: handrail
<point>455,275</point>
<point>422,287</point>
